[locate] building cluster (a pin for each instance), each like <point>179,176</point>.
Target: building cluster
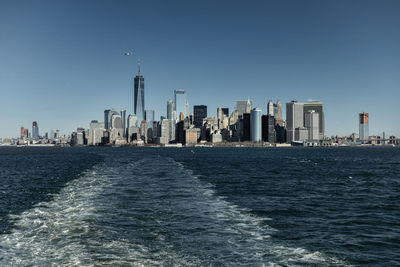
<point>33,138</point>
<point>304,125</point>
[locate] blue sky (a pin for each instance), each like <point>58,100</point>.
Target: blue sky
<point>62,63</point>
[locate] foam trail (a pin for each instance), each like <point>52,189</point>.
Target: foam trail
<point>251,235</point>
<point>59,232</point>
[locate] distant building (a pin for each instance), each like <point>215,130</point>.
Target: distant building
<point>108,113</point>
<point>255,124</point>
<point>278,110</point>
<point>364,126</point>
<point>301,134</point>
<point>133,129</point>
<point>246,127</point>
<point>180,132</point>
<point>35,130</point>
<point>200,113</point>
<point>123,118</point>
<point>268,128</point>
<point>179,102</point>
<point>139,96</point>
<point>96,133</point>
<point>22,133</point>
<point>244,106</point>
<point>80,137</point>
<point>170,110</point>
<point>149,116</point>
<point>171,116</point>
<point>181,116</point>
<point>52,135</point>
<point>187,109</point>
<point>132,121</point>
<point>270,108</point>
<point>216,137</point>
<point>311,122</point>
<point>165,125</point>
<point>191,136</point>
<point>317,106</point>
<point>116,126</point>
<point>116,122</point>
<point>143,131</point>
<point>294,119</point>
<point>225,111</point>
<point>220,114</point>
<point>280,133</point>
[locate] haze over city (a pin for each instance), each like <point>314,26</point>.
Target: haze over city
<point>62,63</point>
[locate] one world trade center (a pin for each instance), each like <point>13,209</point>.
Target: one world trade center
<point>139,97</point>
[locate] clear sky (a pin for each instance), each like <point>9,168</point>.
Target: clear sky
<point>62,63</point>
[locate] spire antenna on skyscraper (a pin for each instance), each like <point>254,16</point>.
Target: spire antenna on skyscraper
<point>139,65</point>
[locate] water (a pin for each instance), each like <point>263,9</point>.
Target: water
<point>199,207</point>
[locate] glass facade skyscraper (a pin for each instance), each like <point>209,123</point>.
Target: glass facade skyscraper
<point>149,117</point>
<point>35,130</point>
<point>179,102</point>
<point>364,126</point>
<point>108,113</point>
<point>255,125</point>
<point>139,97</point>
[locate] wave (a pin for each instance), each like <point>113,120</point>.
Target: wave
<point>147,212</point>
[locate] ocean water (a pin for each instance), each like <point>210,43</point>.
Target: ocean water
<point>99,206</point>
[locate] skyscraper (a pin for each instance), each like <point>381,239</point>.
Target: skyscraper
<point>255,124</point>
<point>317,106</point>
<point>243,106</point>
<point>278,110</point>
<point>171,116</point>
<point>96,130</point>
<point>267,128</point>
<point>294,119</point>
<point>225,111</point>
<point>139,96</point>
<point>132,121</point>
<point>108,113</point>
<point>149,117</point>
<point>311,122</point>
<point>364,126</point>
<point>220,114</point>
<point>22,132</point>
<point>270,108</point>
<point>187,109</point>
<point>200,112</point>
<point>179,102</point>
<point>170,110</point>
<point>35,130</point>
<point>123,118</point>
<point>246,127</point>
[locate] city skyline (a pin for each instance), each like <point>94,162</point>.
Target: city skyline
<point>61,86</point>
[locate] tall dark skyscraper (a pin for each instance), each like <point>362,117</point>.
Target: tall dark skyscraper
<point>139,97</point>
<point>225,111</point>
<point>35,130</point>
<point>268,129</point>
<point>200,112</point>
<point>246,126</point>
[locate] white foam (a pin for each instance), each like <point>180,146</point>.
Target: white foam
<point>258,243</point>
<point>59,232</point>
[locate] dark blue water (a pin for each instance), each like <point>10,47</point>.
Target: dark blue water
<point>199,207</point>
